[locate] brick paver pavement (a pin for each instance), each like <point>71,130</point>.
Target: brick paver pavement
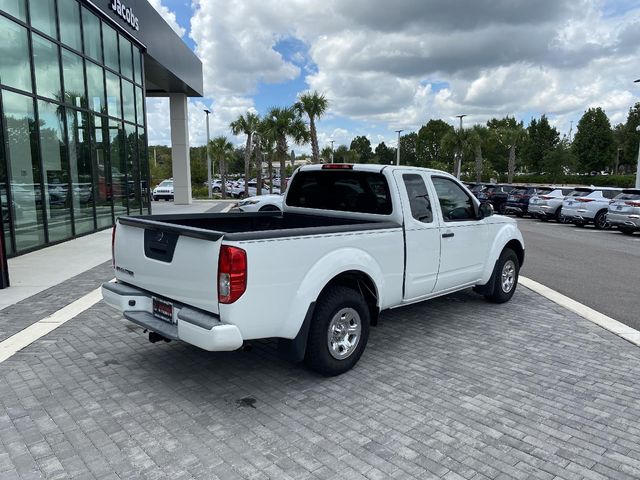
<point>452,388</point>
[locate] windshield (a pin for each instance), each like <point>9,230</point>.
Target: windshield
<point>628,196</point>
<point>166,183</point>
<point>543,191</point>
<point>519,191</point>
<point>342,190</point>
<point>579,193</point>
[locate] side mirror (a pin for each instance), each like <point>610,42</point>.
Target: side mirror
<point>485,210</point>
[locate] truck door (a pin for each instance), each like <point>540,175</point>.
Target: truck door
<point>422,236</point>
<point>464,237</point>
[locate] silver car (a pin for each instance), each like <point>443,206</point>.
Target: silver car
<point>589,206</point>
<point>624,211</point>
<point>548,204</point>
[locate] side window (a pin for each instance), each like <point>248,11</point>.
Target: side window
<point>418,197</point>
<point>455,204</point>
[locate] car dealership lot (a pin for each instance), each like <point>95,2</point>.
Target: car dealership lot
<point>599,268</point>
<point>451,388</point>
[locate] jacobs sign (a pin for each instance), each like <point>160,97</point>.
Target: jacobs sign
<point>125,13</point>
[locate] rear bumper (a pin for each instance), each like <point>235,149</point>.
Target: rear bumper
<point>578,214</point>
<point>517,207</point>
<point>542,211</point>
<point>204,330</point>
<point>624,220</point>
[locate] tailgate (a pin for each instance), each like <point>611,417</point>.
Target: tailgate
<point>176,262</point>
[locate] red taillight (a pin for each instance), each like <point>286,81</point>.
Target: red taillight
<point>113,245</point>
<point>633,204</point>
<point>337,166</point>
<point>584,200</point>
<point>232,274</point>
<point>545,197</point>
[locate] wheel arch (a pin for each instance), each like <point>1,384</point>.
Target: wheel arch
<point>362,282</point>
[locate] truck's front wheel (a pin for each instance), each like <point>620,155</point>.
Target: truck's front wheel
<point>339,331</point>
<point>504,280</point>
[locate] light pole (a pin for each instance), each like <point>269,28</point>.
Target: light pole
<point>331,150</point>
<point>638,162</point>
<point>458,166</point>
<point>398,152</point>
<point>208,157</point>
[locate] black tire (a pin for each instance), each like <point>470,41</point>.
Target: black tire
<point>600,222</point>
<point>626,231</point>
<point>318,356</point>
<point>579,224</point>
<point>496,290</point>
<point>558,215</point>
<point>519,214</point>
<point>269,208</point>
<point>216,189</point>
<point>155,199</point>
<point>166,199</point>
<point>502,209</point>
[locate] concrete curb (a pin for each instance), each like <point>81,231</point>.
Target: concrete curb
<point>614,326</point>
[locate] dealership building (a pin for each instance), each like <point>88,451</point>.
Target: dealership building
<point>74,75</point>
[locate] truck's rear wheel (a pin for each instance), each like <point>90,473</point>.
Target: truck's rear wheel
<point>504,280</point>
<point>339,331</point>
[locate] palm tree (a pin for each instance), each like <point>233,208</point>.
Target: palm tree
<point>221,148</point>
<point>281,123</point>
<point>314,104</point>
<point>457,140</point>
<point>246,124</point>
<point>478,133</point>
<point>510,138</point>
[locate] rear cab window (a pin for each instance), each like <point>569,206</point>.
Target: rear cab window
<point>341,190</point>
<point>629,195</point>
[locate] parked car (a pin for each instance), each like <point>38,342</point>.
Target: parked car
<point>238,191</point>
<point>549,204</point>
<point>496,195</point>
<point>624,211</point>
<point>164,190</point>
<point>518,199</point>
<point>476,188</point>
<point>261,203</point>
<point>589,206</point>
<point>348,251</point>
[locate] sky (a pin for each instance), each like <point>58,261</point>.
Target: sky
<point>385,66</point>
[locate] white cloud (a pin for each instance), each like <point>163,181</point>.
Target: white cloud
<point>386,66</point>
<point>168,16</point>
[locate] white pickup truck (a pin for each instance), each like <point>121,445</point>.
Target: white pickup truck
<point>352,241</point>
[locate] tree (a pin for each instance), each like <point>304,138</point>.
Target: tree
<point>631,138</point>
<point>246,124</point>
<point>509,134</point>
<point>476,139</point>
<point>222,149</point>
<point>325,155</point>
<point>557,160</point>
<point>429,150</point>
<point>593,144</point>
<point>408,149</point>
<point>384,154</point>
<point>541,137</point>
<point>458,141</point>
<point>362,146</point>
<point>281,123</point>
<point>314,105</point>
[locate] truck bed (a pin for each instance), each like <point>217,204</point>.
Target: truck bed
<point>252,226</point>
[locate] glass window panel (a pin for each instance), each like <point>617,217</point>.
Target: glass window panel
<point>145,193</point>
<point>91,29</point>
<point>133,168</point>
<point>15,68</point>
<point>47,66</point>
<point>25,181</point>
<point>137,65</point>
<point>113,95</point>
<point>128,101</point>
<point>104,216</point>
<point>118,168</point>
<point>126,61</point>
<point>43,16</point>
<point>80,170</point>
<point>73,74</point>
<point>17,8</point>
<point>455,203</point>
<point>69,16</point>
<point>95,86</point>
<point>139,106</point>
<point>418,197</point>
<point>4,203</point>
<point>110,42</point>
<point>53,148</point>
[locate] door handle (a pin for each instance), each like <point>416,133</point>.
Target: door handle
<point>448,235</point>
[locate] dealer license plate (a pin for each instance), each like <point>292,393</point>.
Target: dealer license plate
<point>163,310</point>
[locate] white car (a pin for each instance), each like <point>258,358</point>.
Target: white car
<point>164,190</point>
<point>352,241</point>
<point>261,203</point>
<point>238,191</point>
<point>589,205</point>
<point>548,205</point>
